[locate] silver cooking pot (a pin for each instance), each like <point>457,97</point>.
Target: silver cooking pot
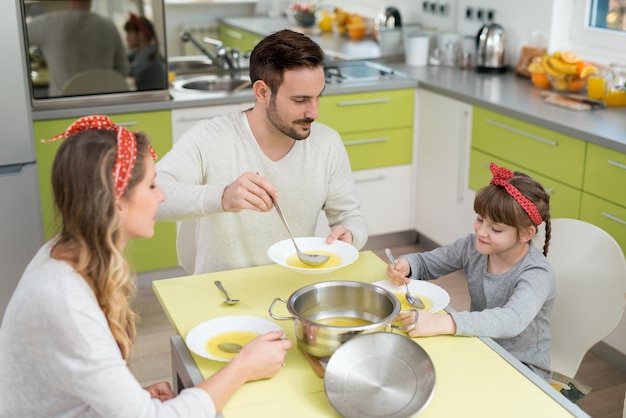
<point>327,314</point>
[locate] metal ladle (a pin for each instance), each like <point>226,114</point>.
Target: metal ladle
<point>410,297</point>
<point>228,300</point>
<point>310,259</point>
<point>230,347</point>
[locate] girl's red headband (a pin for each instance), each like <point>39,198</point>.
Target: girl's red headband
<point>126,147</point>
<point>500,177</point>
<point>141,26</point>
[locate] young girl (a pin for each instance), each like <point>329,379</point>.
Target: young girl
<point>68,330</point>
<point>511,283</point>
<point>147,66</point>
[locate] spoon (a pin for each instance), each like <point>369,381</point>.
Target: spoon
<point>228,300</point>
<point>310,259</point>
<point>229,347</point>
<point>412,299</point>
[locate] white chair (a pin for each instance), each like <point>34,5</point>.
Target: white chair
<point>186,244</point>
<point>95,81</point>
<point>591,289</point>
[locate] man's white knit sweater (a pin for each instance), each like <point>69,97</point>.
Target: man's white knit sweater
<point>314,175</point>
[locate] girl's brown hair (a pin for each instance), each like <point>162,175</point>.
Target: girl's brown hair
<point>495,203</point>
<point>84,196</point>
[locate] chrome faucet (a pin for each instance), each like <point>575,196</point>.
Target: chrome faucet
<point>223,58</point>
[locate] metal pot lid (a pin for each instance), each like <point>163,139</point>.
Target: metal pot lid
<point>379,375</point>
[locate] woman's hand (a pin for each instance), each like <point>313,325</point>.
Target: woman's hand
<point>398,274</point>
<point>264,356</point>
<point>162,391</point>
<point>428,323</point>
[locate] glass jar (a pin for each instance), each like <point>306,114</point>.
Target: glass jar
<point>615,86</point>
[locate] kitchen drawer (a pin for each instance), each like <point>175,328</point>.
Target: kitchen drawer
<point>606,215</point>
<point>537,149</point>
<point>369,111</point>
<point>150,254</point>
<point>384,198</point>
<point>233,37</point>
<point>564,200</point>
<point>605,174</point>
<point>382,148</point>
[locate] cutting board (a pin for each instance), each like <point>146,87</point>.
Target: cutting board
<point>555,99</point>
<point>315,363</point>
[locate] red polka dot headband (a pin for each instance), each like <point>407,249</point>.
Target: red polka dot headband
<point>126,147</point>
<point>500,177</point>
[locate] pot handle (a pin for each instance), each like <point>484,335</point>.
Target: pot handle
<point>410,327</point>
<point>279,318</point>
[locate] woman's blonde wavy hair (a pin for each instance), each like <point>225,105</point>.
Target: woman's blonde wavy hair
<point>84,196</point>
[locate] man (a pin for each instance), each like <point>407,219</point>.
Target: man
<point>226,171</point>
<point>76,40</point>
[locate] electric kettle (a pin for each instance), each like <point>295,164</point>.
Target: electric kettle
<point>490,53</point>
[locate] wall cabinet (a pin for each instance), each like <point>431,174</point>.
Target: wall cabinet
<point>377,131</point>
<point>444,204</point>
<point>151,254</point>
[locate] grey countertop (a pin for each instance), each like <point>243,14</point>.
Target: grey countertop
<point>504,93</point>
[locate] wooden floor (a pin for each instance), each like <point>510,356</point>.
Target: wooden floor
<point>151,362</point>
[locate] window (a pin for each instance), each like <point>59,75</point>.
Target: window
<point>599,28</point>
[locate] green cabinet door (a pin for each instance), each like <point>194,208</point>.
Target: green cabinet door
<point>144,255</point>
<point>233,37</point>
<point>564,199</point>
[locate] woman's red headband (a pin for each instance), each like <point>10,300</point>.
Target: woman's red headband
<point>141,26</point>
<point>126,147</point>
<point>501,175</point>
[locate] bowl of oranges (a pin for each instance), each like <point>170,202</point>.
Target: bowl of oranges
<point>563,71</point>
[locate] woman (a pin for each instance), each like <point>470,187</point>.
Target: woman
<point>68,330</point>
<point>147,66</point>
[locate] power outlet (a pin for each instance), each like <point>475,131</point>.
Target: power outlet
<point>469,13</point>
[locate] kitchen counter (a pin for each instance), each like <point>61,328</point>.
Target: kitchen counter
<point>516,97</point>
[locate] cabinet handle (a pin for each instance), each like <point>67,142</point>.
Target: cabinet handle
<point>192,119</point>
<point>614,218</point>
<point>460,183</point>
<point>379,177</point>
<point>519,131</point>
<point>549,192</point>
<point>617,164</point>
<point>366,141</point>
<point>125,124</point>
<point>233,34</point>
<point>363,102</point>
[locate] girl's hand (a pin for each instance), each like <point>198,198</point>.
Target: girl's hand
<point>398,274</point>
<point>428,324</point>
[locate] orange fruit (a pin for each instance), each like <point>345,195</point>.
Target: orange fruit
<point>540,80</point>
<point>569,57</point>
<point>577,84</point>
<point>586,69</point>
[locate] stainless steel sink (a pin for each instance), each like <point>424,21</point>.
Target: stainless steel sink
<point>214,83</point>
<point>358,71</point>
<point>182,66</point>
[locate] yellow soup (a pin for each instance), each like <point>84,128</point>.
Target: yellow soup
<point>404,305</point>
<point>333,261</point>
<point>238,337</point>
<point>343,321</point>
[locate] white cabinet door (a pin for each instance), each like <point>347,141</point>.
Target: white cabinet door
<point>385,197</point>
<point>444,203</point>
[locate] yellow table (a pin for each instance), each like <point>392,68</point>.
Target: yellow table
<point>475,377</point>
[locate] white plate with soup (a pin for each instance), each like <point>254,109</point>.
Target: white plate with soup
<point>341,254</point>
<point>203,339</point>
<point>434,297</point>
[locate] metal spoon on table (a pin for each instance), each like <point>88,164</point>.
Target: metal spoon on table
<point>310,259</point>
<point>228,300</point>
<point>410,297</point>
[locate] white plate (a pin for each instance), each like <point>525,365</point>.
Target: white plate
<point>435,294</point>
<point>280,252</point>
<point>200,334</point>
